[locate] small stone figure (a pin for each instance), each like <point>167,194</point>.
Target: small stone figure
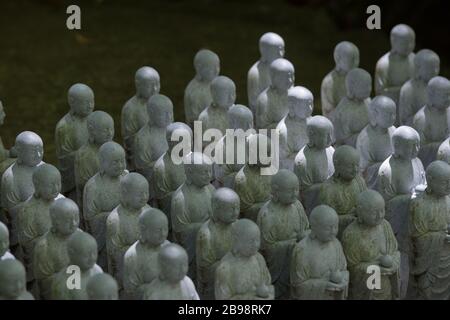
<point>50,253</point>
<point>443,152</point>
<point>242,274</point>
<point>4,243</point>
<point>397,66</point>
<point>191,204</point>
<point>71,134</point>
<point>150,142</point>
<point>7,157</point>
<point>341,190</point>
<point>351,114</point>
<point>313,164</point>
<point>374,143</point>
<point>102,194</point>
<point>292,129</point>
<point>272,104</point>
<point>413,94</point>
<point>140,264</point>
<point>346,57</point>
<point>134,113</point>
<point>13,281</point>
<point>271,47</point>
<point>122,228</point>
<point>283,222</point>
<point>82,251</point>
<point>197,95</point>
<point>214,239</point>
<point>102,286</point>
<point>429,222</point>
<point>172,283</point>
<point>432,120</point>
<point>370,242</point>
<point>318,265</point>
<point>223,94</point>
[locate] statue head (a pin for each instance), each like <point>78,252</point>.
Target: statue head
<point>320,132</point>
<point>240,117</point>
<point>112,159</point>
<point>81,100</point>
<point>82,250</point>
<point>223,92</point>
<point>246,238</point>
<point>30,149</point>
<point>198,169</point>
<point>285,187</point>
<point>300,102</point>
<point>153,227</point>
<point>160,110</point>
<point>282,74</point>
<point>65,216</point>
<point>324,223</point>
<point>4,239</point>
<point>177,131</point>
<point>438,178</point>
<point>271,47</point>
<point>382,112</point>
<point>370,208</point>
<point>403,40</point>
<point>2,114</point>
<point>406,143</point>
<point>12,279</point>
<point>147,82</point>
<point>358,84</point>
<point>173,263</point>
<point>258,146</point>
<point>100,127</point>
<point>346,56</point>
<point>102,287</point>
<point>346,162</point>
<point>438,92</point>
<point>225,206</point>
<point>207,65</point>
<point>426,64</point>
<point>134,191</point>
<point>46,182</point>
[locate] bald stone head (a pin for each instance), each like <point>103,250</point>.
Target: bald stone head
<point>134,191</point>
<point>4,239</point>
<point>112,159</point>
<point>81,100</point>
<point>403,40</point>
<point>223,92</point>
<point>320,132</point>
<point>271,47</point>
<point>12,279</point>
<point>153,227</point>
<point>285,187</point>
<point>160,110</point>
<point>240,117</point>
<point>438,92</point>
<point>324,223</point>
<point>259,150</point>
<point>207,65</point>
<point>406,143</point>
<point>346,162</point>
<point>100,127</point>
<point>358,84</point>
<point>65,216</point>
<point>2,114</point>
<point>438,178</point>
<point>225,206</point>
<point>426,64</point>
<point>300,102</point>
<point>346,56</point>
<point>282,74</point>
<point>179,132</point>
<point>173,263</point>
<point>382,112</point>
<point>198,169</point>
<point>30,149</point>
<point>82,250</point>
<point>246,238</point>
<point>46,182</point>
<point>370,208</point>
<point>102,286</point>
<point>147,82</point>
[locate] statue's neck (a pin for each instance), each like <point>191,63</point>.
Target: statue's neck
<point>278,91</point>
<point>396,54</point>
<point>124,208</point>
<point>378,129</point>
<point>76,116</point>
<point>149,246</point>
<point>38,198</point>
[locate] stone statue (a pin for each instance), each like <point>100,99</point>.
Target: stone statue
<point>102,194</point>
<point>102,286</point>
<point>214,239</point>
<point>140,264</point>
<point>443,152</point>
<point>283,222</point>
<point>370,242</point>
<point>397,66</point>
<point>223,94</point>
<point>242,273</point>
<point>252,187</point>
<point>4,243</point>
<point>432,120</point>
<point>332,91</point>
<point>398,177</point>
<point>197,95</point>
<point>134,112</point>
<point>429,222</point>
<point>413,94</point>
<point>7,157</point>
<point>191,204</point>
<point>122,224</point>
<point>318,264</point>
<point>13,281</point>
<point>71,134</point>
<point>150,142</point>
<point>374,143</point>
<point>50,253</point>
<point>82,251</point>
<point>351,114</point>
<point>313,164</point>
<point>172,283</point>
<point>271,104</point>
<point>292,129</point>
<point>271,47</point>
<point>341,190</point>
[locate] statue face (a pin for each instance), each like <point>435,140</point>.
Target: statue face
<point>226,212</point>
<point>2,114</point>
<point>371,215</point>
<point>208,70</point>
<point>385,118</point>
<point>154,233</point>
<point>49,189</point>
<point>225,98</point>
<point>300,109</point>
<point>248,244</point>
<point>428,68</point>
<point>174,270</point>
<point>147,86</point>
<point>13,285</point>
<point>402,44</point>
<point>406,149</point>
<point>199,174</point>
<point>85,256</point>
<point>439,97</point>
<point>326,228</point>
<point>319,137</point>
<point>162,117</point>
<point>66,224</point>
<point>347,168</point>
<point>283,79</point>
<point>286,194</point>
<point>272,51</point>
<point>440,184</point>
<point>103,132</point>
<point>30,154</point>
<point>115,164</point>
<point>136,197</point>
<point>83,107</point>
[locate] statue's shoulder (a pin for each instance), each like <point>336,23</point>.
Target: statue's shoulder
<point>131,253</point>
<point>240,177</point>
<point>383,62</point>
<point>63,123</point>
<point>204,233</point>
<point>253,73</point>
